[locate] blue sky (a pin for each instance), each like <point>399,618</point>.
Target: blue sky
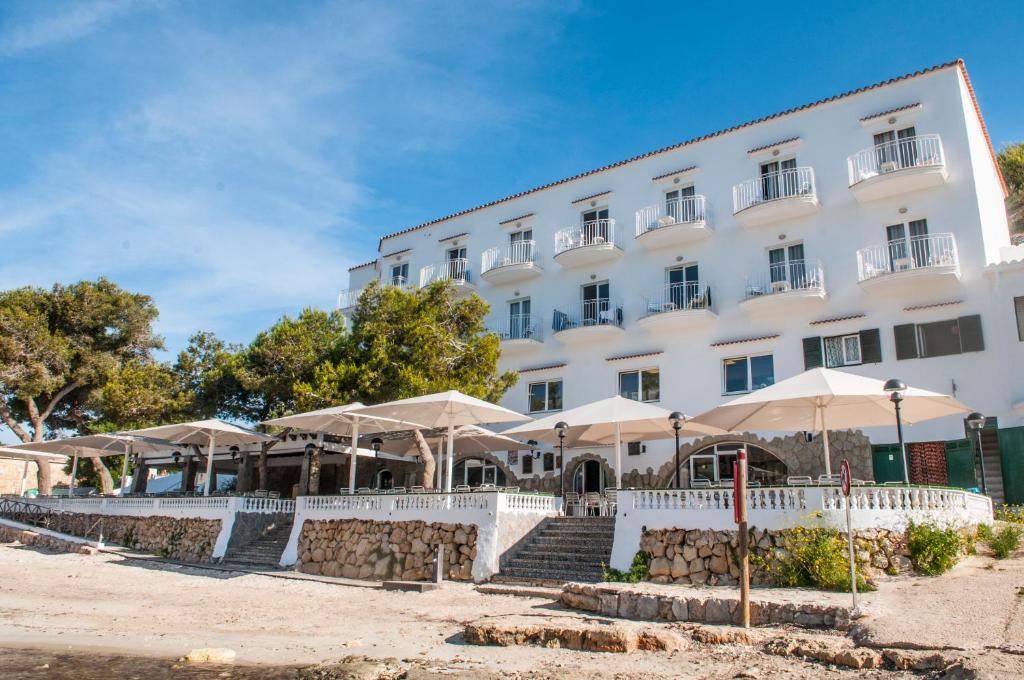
<point>232,159</point>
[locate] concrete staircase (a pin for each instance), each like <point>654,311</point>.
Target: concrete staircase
<point>561,549</point>
<point>264,551</point>
<point>993,465</point>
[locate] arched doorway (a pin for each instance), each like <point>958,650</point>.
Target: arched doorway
<point>713,465</point>
<point>588,477</point>
<point>385,480</point>
<point>474,472</point>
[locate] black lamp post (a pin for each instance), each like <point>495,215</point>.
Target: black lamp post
<point>560,427</point>
<point>234,454</point>
<point>176,459</point>
<point>896,387</point>
<point>677,424</point>
<point>375,444</point>
<point>975,423</point>
<point>308,452</point>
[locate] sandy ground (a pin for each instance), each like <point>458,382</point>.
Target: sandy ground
<point>108,604</point>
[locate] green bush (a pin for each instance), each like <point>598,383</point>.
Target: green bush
<point>984,533</point>
<point>1010,513</point>
<point>933,551</point>
<point>1005,541</point>
<point>812,557</point>
<point>637,572</point>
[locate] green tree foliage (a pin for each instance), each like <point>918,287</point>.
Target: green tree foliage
<point>1011,162</point>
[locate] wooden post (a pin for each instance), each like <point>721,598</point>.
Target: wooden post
<point>740,508</point>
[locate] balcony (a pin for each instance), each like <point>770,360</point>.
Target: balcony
<point>588,320</point>
<point>510,263</point>
<point>347,299</point>
<point>918,264</point>
<point>589,243</point>
<point>455,271</point>
<point>681,220</point>
<point>518,332</point>
<point>897,167</point>
<point>787,286</point>
<point>677,306</point>
<point>774,197</point>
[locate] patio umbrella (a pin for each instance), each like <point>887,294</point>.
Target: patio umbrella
<point>29,457</point>
<point>807,401</point>
<point>209,432</point>
<point>98,446</point>
<point>469,439</point>
<point>607,422</point>
<point>445,409</point>
<point>343,421</point>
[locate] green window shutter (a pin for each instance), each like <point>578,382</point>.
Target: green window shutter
<point>971,339</point>
<point>906,341</point>
<point>812,353</point>
<point>1018,308</point>
<point>870,346</point>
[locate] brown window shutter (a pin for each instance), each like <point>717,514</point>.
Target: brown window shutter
<point>870,346</point>
<point>906,341</point>
<point>971,338</point>
<point>813,355</point>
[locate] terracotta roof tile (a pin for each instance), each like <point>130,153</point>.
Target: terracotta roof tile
<point>674,172</point>
<point>587,198</point>
<point>737,341</point>
<point>516,219</point>
<point>638,355</point>
<point>397,252</point>
<point>449,238</point>
<point>360,266</point>
<point>768,146</point>
<point>888,112</point>
<point>534,369</point>
<point>932,305</point>
<point>836,319</point>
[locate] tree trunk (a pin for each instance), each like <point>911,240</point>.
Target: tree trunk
<point>264,468</point>
<point>44,480</point>
<point>429,464</point>
<point>106,481</point>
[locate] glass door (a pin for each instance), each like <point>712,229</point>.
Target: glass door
<point>521,246</point>
<point>595,227</point>
<point>519,319</point>
<point>595,303</point>
<point>679,205</point>
<point>457,264</point>
<point>786,266</point>
<point>682,286</point>
<point>920,246</point>
<point>769,181</point>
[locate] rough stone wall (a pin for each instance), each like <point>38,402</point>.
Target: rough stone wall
<point>705,557</point>
<point>187,539</point>
<point>26,537</point>
<point>368,549</point>
<point>927,463</point>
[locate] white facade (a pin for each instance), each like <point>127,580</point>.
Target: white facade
<point>943,172</point>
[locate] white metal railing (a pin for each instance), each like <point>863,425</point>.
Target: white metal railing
<point>773,186</point>
<point>900,154</point>
<point>412,505</point>
<point>592,233</point>
<point>678,296</point>
<point>347,299</point>
<point>601,312</point>
<point>253,504</point>
<point>397,282</point>
<point>718,499</point>
<point>455,270</point>
<point>519,252</point>
<point>517,502</point>
<point>517,327</point>
<point>342,503</point>
<point>685,210</point>
<point>785,277</point>
<point>905,254</point>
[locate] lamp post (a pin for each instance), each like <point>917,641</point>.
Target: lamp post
<point>896,387</point>
<point>176,459</point>
<point>975,423</point>
<point>375,444</point>
<point>560,427</point>
<point>677,424</point>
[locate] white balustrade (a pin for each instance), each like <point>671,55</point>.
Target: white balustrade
<point>591,233</point>
<point>517,327</point>
<point>786,277</point>
<point>900,154</point>
<point>600,312</point>
<point>685,210</point>
<point>773,186</point>
<point>455,270</point>
<point>518,252</point>
<point>347,299</point>
<point>678,296</point>
<point>254,504</point>
<point>908,254</point>
<point>520,503</point>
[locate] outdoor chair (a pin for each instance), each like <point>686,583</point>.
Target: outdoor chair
<point>397,489</point>
<point>893,484</point>
<point>343,491</point>
<point>462,488</point>
<point>592,501</point>
<point>799,480</point>
<point>700,483</point>
<point>273,494</point>
<point>363,489</point>
<point>262,493</point>
<point>828,480</point>
<point>417,489</point>
<point>571,503</point>
<point>486,487</point>
<point>752,485</point>
<point>511,489</point>
<point>611,501</point>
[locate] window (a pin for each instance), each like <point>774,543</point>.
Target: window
<point>634,448</point>
<point>745,374</point>
<point>546,396</point>
<point>684,290</point>
<point>549,461</point>
<point>528,463</point>
<point>714,464</point>
<point>939,338</point>
<point>778,179</point>
<point>895,149</point>
<point>642,385</point>
<point>596,303</point>
<point>851,349</point>
<point>1018,306</point>
<point>787,268</point>
<point>520,326</point>
<point>595,227</point>
<point>842,350</point>
<point>680,206</point>
<point>457,264</point>
<point>400,274</point>
<point>909,246</point>
<point>520,246</point>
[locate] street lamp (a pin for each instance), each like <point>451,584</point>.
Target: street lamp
<point>234,454</point>
<point>896,387</point>
<point>975,423</point>
<point>375,444</point>
<point>560,427</point>
<point>676,418</point>
<point>176,459</point>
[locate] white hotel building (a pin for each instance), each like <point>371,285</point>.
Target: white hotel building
<point>865,231</point>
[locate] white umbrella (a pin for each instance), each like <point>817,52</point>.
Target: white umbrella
<point>98,446</point>
<point>344,421</point>
<point>469,439</point>
<point>805,401</point>
<point>607,421</point>
<point>29,457</point>
<point>207,432</point>
<point>445,409</point>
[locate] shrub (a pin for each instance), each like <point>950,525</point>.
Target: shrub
<point>1005,541</point>
<point>812,557</point>
<point>1010,513</point>
<point>984,533</point>
<point>637,572</point>
<point>933,551</point>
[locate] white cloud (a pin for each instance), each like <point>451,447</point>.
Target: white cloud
<point>67,23</point>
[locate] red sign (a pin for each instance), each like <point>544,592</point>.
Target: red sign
<point>845,477</point>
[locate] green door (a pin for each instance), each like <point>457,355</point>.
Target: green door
<point>960,464</point>
<point>1011,449</point>
<point>887,463</point>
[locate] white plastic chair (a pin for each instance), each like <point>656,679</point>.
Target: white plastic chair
<point>799,480</point>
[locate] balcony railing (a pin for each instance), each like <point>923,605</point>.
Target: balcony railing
<point>398,282</point>
<point>601,312</point>
<point>517,327</point>
<point>593,233</point>
<point>686,210</point>
<point>520,252</point>
<point>786,277</point>
<point>678,297</point>
<point>772,187</point>
<point>456,271</point>
<point>347,299</point>
<point>901,154</point>
<point>916,252</point>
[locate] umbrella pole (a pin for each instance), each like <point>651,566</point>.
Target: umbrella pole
<point>24,478</point>
<point>451,457</point>
<point>124,467</point>
<point>824,439</point>
<point>618,456</point>
<point>209,467</point>
<point>74,473</point>
<point>353,455</point>
<point>438,463</point>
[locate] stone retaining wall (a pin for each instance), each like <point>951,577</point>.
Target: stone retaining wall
<point>369,549</point>
<point>704,557</point>
<point>186,539</point>
<point>622,601</point>
<point>27,537</point>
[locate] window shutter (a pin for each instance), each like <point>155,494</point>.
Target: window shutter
<point>870,346</point>
<point>812,352</point>
<point>906,341</point>
<point>971,339</point>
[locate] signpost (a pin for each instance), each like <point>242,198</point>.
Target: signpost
<point>844,480</point>
<point>739,488</point>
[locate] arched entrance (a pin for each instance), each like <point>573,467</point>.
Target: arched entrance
<point>713,465</point>
<point>588,477</point>
<point>385,480</point>
<point>474,472</point>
